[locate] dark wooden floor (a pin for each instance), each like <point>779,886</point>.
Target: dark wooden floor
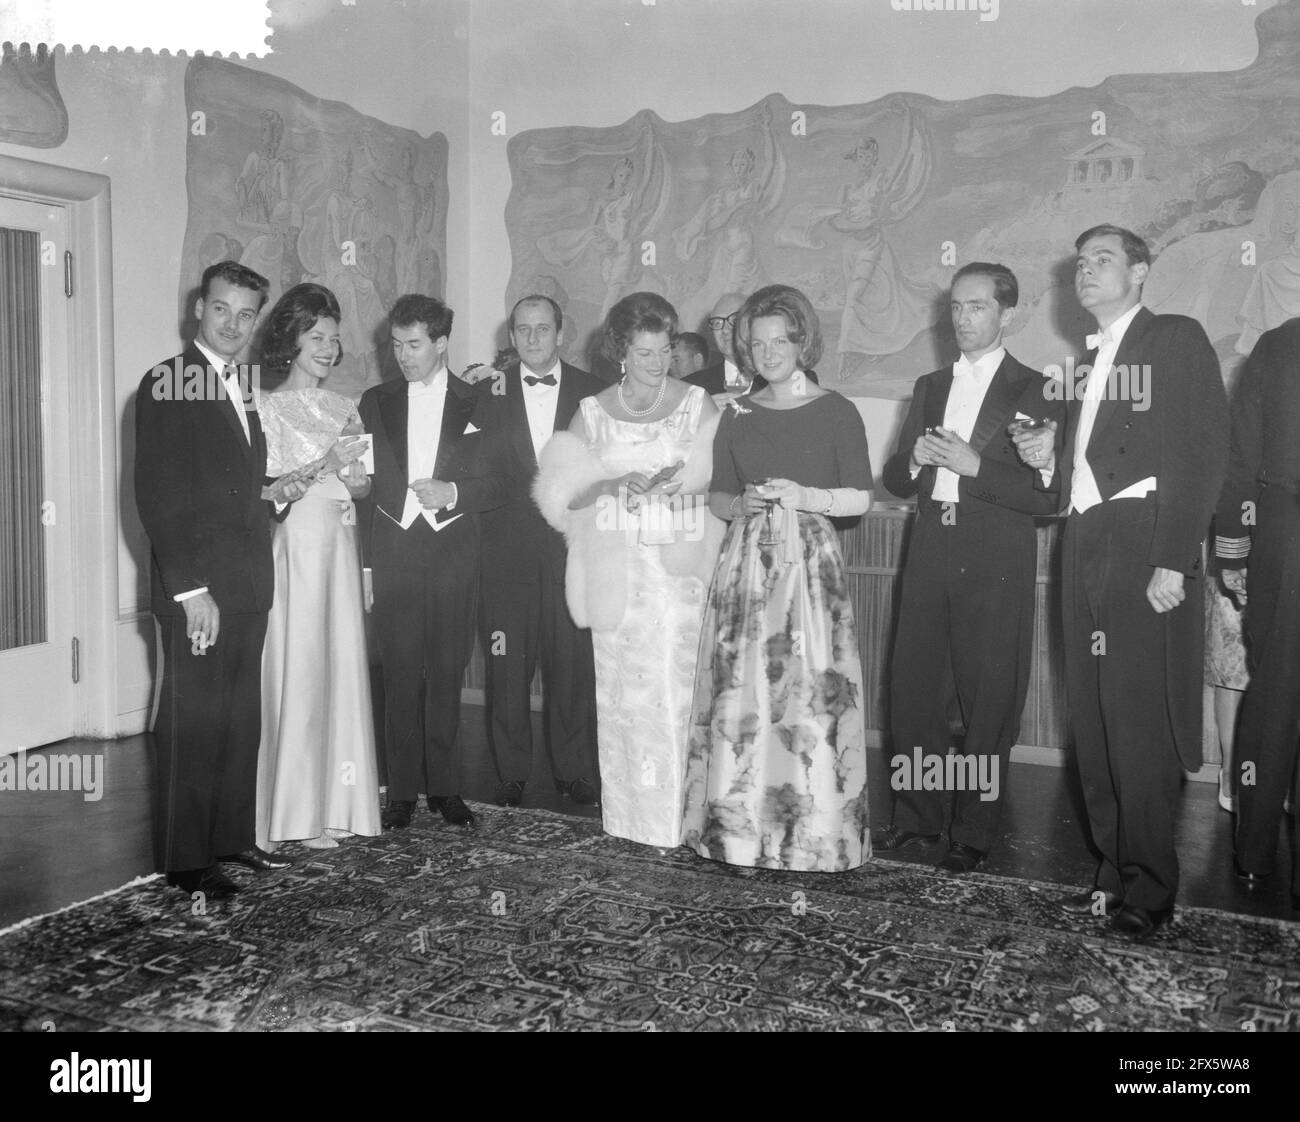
<point>58,848</point>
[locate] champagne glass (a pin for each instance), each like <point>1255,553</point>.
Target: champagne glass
<point>773,531</point>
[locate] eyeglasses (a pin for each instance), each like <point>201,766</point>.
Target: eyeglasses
<point>717,323</point>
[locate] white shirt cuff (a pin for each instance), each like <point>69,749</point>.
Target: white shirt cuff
<point>189,595</point>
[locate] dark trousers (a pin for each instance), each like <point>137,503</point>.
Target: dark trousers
<point>965,621</point>
<point>525,624</point>
<point>206,737</point>
<point>1266,737</point>
<point>424,614</point>
<point>1117,651</point>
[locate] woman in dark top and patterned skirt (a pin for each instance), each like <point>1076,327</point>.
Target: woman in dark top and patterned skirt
<point>777,771</point>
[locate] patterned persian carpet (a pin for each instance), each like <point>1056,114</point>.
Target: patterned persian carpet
<point>535,920</point>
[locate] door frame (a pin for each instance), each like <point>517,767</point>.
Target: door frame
<point>92,431</point>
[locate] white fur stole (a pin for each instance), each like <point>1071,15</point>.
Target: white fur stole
<point>595,578</point>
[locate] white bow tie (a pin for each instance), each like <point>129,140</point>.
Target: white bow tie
<point>1095,342</point>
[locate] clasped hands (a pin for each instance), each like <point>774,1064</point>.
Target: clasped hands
<point>941,447</point>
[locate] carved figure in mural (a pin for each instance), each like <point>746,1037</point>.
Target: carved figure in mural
<point>728,219</point>
<point>263,195</point>
<point>616,227</point>
<point>415,213</point>
<point>263,185</point>
<point>349,265</point>
<point>884,308</point>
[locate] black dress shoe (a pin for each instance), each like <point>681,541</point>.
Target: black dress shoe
<point>255,858</point>
<point>1085,903</point>
<point>397,814</point>
<point>961,858</point>
<point>212,882</point>
<point>580,791</point>
<point>891,839</point>
<point>1139,922</point>
<point>1249,879</point>
<point>510,793</point>
<point>453,809</point>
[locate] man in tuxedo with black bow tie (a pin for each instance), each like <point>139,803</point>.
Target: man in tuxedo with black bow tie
<point>1139,464</point>
<point>525,619</point>
<point>201,490</point>
<point>440,461</point>
<point>966,616</point>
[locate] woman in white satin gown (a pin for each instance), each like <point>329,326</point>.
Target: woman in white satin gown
<point>628,485</point>
<point>317,777</point>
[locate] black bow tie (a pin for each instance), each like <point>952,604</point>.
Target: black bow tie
<point>549,380</point>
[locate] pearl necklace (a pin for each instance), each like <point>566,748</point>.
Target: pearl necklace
<point>658,401</point>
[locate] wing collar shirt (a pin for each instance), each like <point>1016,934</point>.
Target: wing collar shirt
<point>425,407</point>
<point>1084,492</point>
<point>970,382</point>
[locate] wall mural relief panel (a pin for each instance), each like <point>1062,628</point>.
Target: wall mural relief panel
<point>302,189</point>
<point>870,208</point>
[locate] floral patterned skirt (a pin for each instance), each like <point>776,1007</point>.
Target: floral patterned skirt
<point>776,775</point>
<point>1225,647</point>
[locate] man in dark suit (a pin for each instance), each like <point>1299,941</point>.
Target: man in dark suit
<point>966,617</point>
<point>1258,521</point>
<point>525,619</point>
<point>1140,466</point>
<point>690,353</point>
<point>725,376</point>
<point>200,487</point>
<point>439,462</point>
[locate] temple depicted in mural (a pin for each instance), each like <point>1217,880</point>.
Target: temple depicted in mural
<point>870,208</point>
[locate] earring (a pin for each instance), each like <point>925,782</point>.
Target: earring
<point>622,368</point>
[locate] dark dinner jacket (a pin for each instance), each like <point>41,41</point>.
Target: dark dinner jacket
<point>1181,439</point>
<point>966,607</point>
<point>1003,482</point>
<point>517,528</point>
<point>479,463</point>
<point>198,488</point>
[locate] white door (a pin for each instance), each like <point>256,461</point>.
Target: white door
<point>37,640</point>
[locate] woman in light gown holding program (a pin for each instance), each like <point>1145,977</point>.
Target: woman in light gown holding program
<point>317,777</point>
